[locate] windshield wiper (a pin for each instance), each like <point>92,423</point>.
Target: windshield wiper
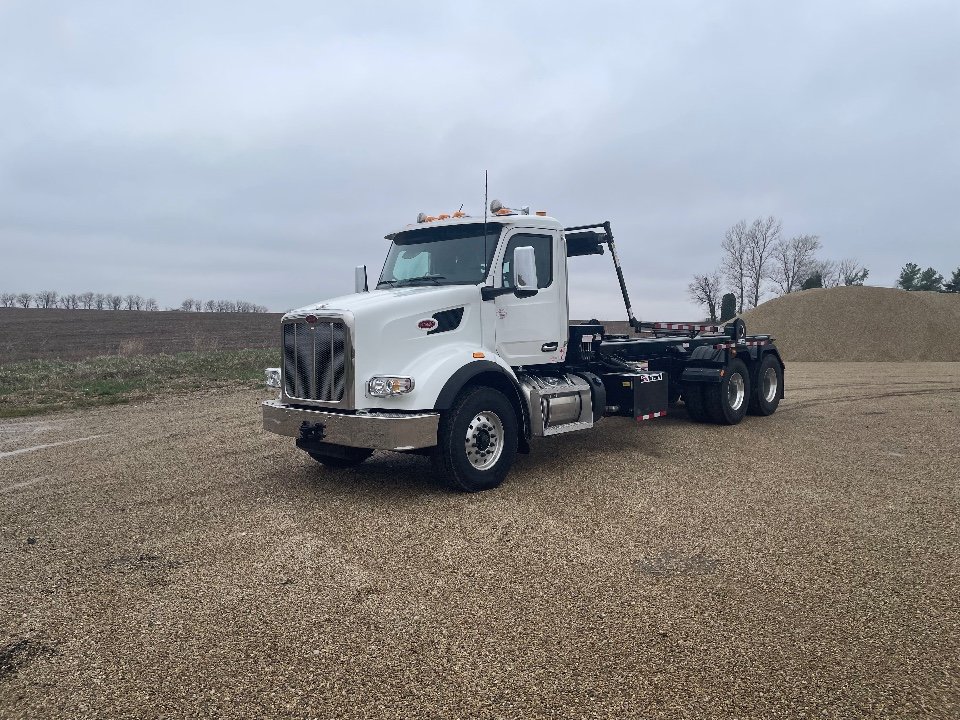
<point>436,279</point>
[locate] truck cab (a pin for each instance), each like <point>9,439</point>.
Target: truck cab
<point>462,350</point>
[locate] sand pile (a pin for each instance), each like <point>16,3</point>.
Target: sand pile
<point>861,323</point>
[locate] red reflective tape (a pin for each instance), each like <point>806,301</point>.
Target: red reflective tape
<point>651,416</point>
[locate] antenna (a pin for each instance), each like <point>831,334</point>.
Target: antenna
<point>486,188</point>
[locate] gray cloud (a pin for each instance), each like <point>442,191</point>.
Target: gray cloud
<point>244,150</point>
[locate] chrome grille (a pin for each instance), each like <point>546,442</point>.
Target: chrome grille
<point>315,360</point>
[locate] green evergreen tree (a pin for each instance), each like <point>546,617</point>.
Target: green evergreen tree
<point>909,276</point>
<point>814,281</point>
<point>929,279</point>
<point>954,284</point>
<point>728,306</point>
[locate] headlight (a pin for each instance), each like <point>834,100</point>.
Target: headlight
<point>272,377</point>
<point>386,385</point>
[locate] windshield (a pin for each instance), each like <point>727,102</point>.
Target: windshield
<point>445,255</point>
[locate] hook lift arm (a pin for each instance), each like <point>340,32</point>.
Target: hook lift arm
<point>607,238</point>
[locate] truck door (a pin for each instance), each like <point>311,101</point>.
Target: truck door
<point>533,330</point>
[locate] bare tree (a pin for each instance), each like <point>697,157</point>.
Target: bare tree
<point>734,262</point>
<point>46,299</point>
<point>114,302</point>
<point>99,301</point>
<point>128,301</point>
<point>151,305</point>
<point>86,300</point>
<point>138,302</point>
<point>827,270</point>
<point>187,305</point>
<point>851,272</point>
<point>706,290</point>
<point>69,302</point>
<point>24,300</point>
<point>8,299</point>
<point>762,237</point>
<point>792,262</point>
<point>209,306</point>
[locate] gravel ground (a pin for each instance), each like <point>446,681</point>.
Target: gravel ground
<point>184,563</point>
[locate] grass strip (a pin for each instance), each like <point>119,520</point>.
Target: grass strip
<point>40,386</point>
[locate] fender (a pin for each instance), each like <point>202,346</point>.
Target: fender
<point>461,377</point>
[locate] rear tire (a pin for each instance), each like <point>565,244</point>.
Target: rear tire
<point>766,395</point>
<point>726,402</point>
<point>476,440</point>
<point>345,457</point>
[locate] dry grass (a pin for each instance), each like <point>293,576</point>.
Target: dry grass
<point>41,386</point>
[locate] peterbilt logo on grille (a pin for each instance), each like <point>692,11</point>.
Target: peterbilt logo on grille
<point>427,324</point>
<point>311,319</point>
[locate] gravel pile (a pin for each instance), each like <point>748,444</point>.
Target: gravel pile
<point>862,323</point>
<point>186,564</point>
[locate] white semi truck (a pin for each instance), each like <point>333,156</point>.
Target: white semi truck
<point>464,351</point>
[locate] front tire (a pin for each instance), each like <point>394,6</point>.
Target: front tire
<point>340,456</point>
<point>476,440</point>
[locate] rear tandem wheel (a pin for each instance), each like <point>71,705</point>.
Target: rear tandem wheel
<point>726,402</point>
<point>766,395</point>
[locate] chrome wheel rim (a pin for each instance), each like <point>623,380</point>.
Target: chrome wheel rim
<point>735,391</point>
<point>770,384</point>
<point>484,441</point>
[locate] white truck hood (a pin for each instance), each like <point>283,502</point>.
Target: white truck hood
<point>399,301</point>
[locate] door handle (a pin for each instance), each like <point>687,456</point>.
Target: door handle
<point>549,347</point>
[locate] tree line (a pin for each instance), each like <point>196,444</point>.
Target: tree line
<point>108,301</point>
<point>77,301</point>
<point>913,278</point>
<point>757,259</point>
<point>190,304</point>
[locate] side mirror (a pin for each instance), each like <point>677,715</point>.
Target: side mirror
<point>360,279</point>
<point>525,271</point>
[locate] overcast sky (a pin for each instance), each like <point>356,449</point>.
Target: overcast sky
<point>261,150</point>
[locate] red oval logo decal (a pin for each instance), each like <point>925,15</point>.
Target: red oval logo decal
<point>311,319</point>
<point>427,324</point>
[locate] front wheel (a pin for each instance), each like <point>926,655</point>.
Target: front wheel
<point>476,440</point>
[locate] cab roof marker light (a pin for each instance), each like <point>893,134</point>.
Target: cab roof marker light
<point>424,218</point>
<point>498,208</point>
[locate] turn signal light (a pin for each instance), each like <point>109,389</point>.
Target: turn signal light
<point>479,355</point>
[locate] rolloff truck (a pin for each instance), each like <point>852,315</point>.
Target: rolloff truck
<point>464,351</point>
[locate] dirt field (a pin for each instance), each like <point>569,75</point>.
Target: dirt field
<point>171,559</point>
<point>76,334</point>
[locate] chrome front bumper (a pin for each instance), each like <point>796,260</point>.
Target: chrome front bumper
<point>377,430</point>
